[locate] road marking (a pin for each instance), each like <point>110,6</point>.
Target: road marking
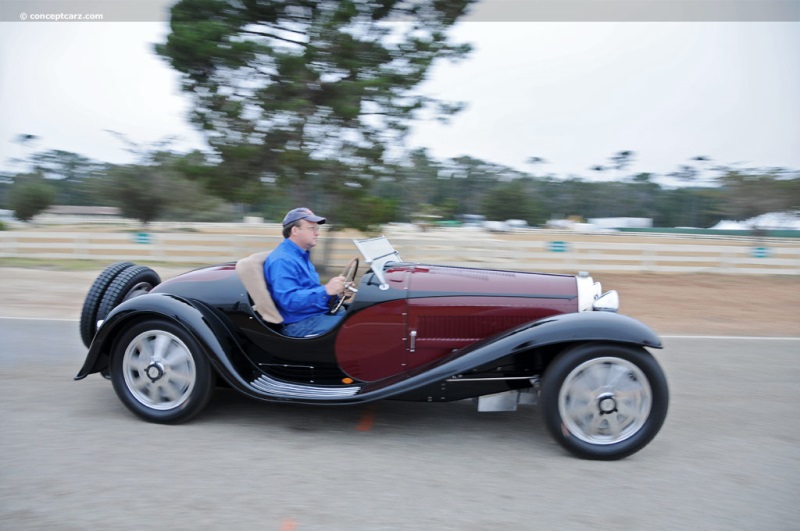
<point>56,319</point>
<point>735,338</point>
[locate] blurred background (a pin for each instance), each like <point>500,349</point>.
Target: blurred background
<point>424,112</point>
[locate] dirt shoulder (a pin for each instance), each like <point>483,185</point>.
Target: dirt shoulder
<point>733,305</point>
<point>670,303</point>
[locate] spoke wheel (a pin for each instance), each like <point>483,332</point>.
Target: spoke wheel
<point>604,401</point>
<point>159,372</point>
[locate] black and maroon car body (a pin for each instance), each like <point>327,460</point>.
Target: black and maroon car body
<point>412,332</point>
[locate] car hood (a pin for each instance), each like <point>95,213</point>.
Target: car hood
<point>422,280</point>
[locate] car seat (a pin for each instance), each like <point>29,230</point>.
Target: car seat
<point>251,272</point>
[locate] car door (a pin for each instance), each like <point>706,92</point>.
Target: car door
<point>372,343</point>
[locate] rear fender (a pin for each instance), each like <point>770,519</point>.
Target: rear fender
<point>199,321</point>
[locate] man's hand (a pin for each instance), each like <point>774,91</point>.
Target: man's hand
<point>335,286</point>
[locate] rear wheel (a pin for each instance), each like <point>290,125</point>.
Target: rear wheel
<point>604,401</point>
<point>160,373</point>
<point>131,282</point>
<point>88,322</point>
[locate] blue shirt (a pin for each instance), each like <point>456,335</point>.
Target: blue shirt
<point>294,283</point>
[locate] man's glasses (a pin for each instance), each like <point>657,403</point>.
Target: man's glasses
<point>312,228</point>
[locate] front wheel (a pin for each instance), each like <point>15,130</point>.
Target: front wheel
<point>159,372</point>
<point>604,401</point>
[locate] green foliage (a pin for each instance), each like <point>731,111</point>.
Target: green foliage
<point>513,200</point>
<point>69,174</point>
<point>368,214</point>
<point>30,195</point>
<point>412,185</point>
<point>750,193</point>
<point>162,190</point>
<point>307,94</point>
<point>140,191</point>
<point>194,204</point>
<point>687,207</point>
<point>5,192</point>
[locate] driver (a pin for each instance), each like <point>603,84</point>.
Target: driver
<point>293,281</point>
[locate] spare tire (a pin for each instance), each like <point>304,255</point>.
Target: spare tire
<point>88,322</point>
<point>132,282</point>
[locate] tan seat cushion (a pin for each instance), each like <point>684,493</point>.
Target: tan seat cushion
<point>251,273</point>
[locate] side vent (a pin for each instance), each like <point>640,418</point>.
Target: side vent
<point>465,327</point>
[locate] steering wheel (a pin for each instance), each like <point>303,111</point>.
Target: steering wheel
<point>349,275</point>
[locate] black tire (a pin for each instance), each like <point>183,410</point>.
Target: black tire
<point>88,322</point>
<point>132,282</point>
<point>160,373</point>
<point>604,401</point>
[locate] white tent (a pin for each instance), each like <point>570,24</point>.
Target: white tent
<point>769,221</point>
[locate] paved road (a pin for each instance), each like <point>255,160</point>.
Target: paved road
<point>72,457</point>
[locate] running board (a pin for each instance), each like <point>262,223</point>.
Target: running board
<point>277,388</point>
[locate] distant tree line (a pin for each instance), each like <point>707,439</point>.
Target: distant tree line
<point>164,185</point>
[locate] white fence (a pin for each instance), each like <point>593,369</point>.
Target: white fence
<point>544,252</point>
<point>609,256</point>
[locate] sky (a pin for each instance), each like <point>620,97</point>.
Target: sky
<point>571,93</point>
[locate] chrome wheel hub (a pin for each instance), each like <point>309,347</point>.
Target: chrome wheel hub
<point>159,370</point>
<point>154,371</point>
<point>605,400</point>
<point>607,404</point>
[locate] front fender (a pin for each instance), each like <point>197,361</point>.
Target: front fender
<point>584,326</point>
<point>194,318</point>
<point>563,328</point>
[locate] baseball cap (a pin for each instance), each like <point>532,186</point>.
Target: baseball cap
<point>302,213</point>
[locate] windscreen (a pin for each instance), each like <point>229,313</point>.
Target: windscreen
<point>378,252</point>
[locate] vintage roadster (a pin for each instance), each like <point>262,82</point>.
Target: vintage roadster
<point>412,332</point>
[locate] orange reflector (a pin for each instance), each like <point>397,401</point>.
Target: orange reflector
<point>347,380</point>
